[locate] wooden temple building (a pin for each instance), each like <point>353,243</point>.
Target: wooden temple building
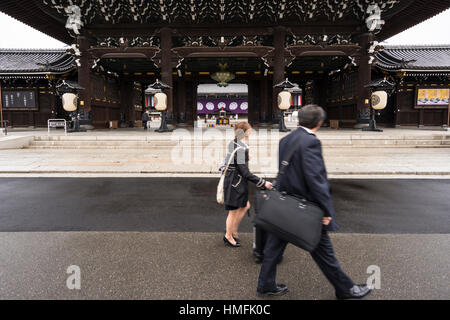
<point>330,48</point>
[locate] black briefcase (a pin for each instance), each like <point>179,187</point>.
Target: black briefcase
<point>289,217</point>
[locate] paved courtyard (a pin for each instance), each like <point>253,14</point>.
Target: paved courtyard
<point>394,151</point>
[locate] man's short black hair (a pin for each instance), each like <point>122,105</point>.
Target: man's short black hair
<point>311,115</point>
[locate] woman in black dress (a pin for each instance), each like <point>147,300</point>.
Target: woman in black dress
<point>236,183</point>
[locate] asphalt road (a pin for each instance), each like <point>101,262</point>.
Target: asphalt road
<point>400,226</point>
<point>188,205</point>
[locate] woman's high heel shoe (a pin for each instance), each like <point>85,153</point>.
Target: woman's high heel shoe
<point>228,243</point>
<point>235,238</point>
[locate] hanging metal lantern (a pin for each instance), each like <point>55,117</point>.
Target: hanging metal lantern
<point>284,101</point>
<point>223,76</point>
<point>378,101</point>
<point>155,96</point>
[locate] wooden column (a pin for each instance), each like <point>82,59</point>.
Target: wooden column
<point>84,75</point>
<point>421,117</point>
<point>1,106</point>
<point>400,98</point>
<point>191,99</point>
<point>166,69</point>
<point>126,101</point>
<point>264,111</point>
<point>252,102</point>
<point>181,99</point>
<point>364,78</point>
<point>53,107</point>
<point>279,65</point>
<point>445,118</point>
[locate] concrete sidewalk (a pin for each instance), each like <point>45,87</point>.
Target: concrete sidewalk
<point>130,265</point>
<point>339,161</point>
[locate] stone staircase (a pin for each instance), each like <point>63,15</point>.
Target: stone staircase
<point>150,142</point>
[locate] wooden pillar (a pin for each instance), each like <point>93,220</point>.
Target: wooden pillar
<point>84,75</point>
<point>126,101</point>
<point>166,69</point>
<point>400,98</point>
<point>181,100</point>
<point>53,107</point>
<point>279,65</point>
<point>191,100</point>
<point>264,111</point>
<point>445,118</point>
<point>1,106</point>
<point>364,78</point>
<point>421,117</point>
<point>252,102</point>
<point>31,118</point>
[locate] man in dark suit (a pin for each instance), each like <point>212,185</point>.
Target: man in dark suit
<point>306,176</point>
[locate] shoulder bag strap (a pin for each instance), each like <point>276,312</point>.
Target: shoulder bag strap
<point>231,158</point>
<point>285,162</point>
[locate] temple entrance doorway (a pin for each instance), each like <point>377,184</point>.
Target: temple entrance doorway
<point>221,106</point>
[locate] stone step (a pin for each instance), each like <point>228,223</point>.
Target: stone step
<point>166,142</point>
<point>223,143</point>
<point>157,139</point>
<point>169,148</point>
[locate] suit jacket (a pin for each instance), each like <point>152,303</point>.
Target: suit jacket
<point>238,175</point>
<point>306,174</point>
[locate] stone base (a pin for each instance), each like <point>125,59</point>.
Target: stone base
<point>361,125</point>
<point>87,126</point>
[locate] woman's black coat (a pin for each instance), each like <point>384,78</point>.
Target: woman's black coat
<point>238,175</point>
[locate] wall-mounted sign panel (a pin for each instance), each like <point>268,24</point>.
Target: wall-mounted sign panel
<point>19,99</point>
<point>432,97</point>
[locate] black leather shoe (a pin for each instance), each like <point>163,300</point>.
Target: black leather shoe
<point>228,243</point>
<point>356,292</point>
<point>279,291</point>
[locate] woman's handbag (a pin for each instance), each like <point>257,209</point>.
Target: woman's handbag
<point>220,187</point>
<point>290,217</point>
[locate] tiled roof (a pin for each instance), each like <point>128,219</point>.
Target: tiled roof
<point>415,58</point>
<point>40,61</point>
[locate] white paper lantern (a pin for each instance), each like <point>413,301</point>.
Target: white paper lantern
<point>160,101</point>
<point>379,100</point>
<point>284,100</point>
<point>70,102</point>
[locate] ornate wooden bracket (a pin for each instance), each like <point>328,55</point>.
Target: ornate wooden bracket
<point>149,53</point>
<point>352,51</point>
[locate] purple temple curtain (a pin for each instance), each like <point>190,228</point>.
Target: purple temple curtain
<point>232,105</point>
